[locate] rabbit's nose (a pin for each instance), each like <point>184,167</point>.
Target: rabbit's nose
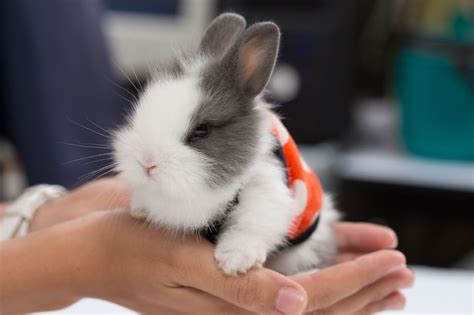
<point>149,164</point>
<point>150,168</point>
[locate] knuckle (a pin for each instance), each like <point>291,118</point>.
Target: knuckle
<point>245,291</point>
<point>247,294</point>
<point>181,275</point>
<point>322,299</point>
<point>181,270</point>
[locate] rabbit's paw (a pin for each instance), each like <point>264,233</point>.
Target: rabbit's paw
<point>233,260</point>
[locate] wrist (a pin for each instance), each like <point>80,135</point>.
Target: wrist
<point>59,265</point>
<point>39,271</point>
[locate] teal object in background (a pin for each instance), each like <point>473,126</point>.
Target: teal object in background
<point>437,102</point>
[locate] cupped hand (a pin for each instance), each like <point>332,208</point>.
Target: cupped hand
<point>151,270</point>
<point>365,279</point>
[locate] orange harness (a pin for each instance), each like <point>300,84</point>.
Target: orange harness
<point>303,183</point>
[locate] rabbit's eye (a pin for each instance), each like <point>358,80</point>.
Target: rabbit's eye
<point>201,132</point>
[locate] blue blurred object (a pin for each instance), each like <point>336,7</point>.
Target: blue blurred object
<point>55,71</point>
<point>166,7</point>
<point>318,45</point>
<point>436,91</point>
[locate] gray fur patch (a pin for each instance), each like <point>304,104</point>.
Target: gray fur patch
<point>222,33</point>
<point>233,140</point>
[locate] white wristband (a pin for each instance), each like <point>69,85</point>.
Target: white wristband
<point>18,215</point>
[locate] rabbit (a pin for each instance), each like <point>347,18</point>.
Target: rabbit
<point>199,153</point>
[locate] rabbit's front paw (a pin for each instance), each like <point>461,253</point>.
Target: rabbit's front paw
<point>233,259</point>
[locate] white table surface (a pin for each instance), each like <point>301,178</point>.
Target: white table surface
<point>387,166</point>
<point>436,291</point>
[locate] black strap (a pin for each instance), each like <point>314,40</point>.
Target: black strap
<point>303,236</point>
<point>212,231</point>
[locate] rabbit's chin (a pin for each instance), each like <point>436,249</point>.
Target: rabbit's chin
<point>185,210</point>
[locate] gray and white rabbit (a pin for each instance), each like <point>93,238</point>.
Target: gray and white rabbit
<point>199,154</point>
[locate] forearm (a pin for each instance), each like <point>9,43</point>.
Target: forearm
<point>43,271</point>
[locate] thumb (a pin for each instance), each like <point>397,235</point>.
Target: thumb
<point>262,291</point>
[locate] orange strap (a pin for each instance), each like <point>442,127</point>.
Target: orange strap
<point>302,181</point>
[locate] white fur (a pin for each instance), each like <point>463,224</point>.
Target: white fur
<point>177,196</point>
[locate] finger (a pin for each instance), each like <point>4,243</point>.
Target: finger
<point>192,301</point>
<point>182,300</point>
<point>393,282</point>
<point>261,291</point>
<point>347,256</point>
<point>172,311</point>
<point>395,301</point>
<point>364,237</point>
<point>324,287</point>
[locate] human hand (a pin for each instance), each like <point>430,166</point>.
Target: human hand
<point>367,278</point>
<point>99,195</point>
<point>109,255</point>
<point>152,272</point>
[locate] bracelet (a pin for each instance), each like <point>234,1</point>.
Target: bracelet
<point>18,215</point>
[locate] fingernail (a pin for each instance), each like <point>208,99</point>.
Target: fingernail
<point>395,239</point>
<point>409,281</point>
<point>396,268</point>
<point>290,301</point>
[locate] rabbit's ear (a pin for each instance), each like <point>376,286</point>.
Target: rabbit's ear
<point>222,33</point>
<point>253,57</point>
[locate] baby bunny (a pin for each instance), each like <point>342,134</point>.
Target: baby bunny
<point>204,153</point>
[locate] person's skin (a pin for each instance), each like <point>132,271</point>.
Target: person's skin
<point>3,206</point>
<point>100,195</point>
<point>109,255</point>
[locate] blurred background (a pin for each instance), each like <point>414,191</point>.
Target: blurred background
<point>379,94</point>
